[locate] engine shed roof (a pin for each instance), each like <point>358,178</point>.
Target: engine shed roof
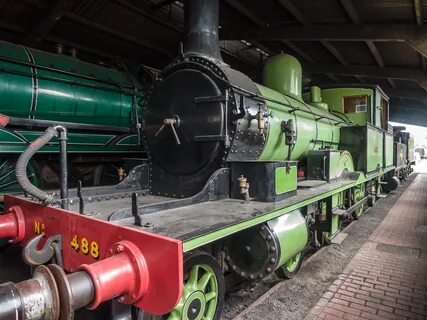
<point>338,42</point>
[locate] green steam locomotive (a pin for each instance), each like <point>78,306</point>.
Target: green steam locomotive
<point>100,107</point>
<point>241,178</point>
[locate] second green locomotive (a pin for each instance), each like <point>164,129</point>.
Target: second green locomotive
<point>100,107</point>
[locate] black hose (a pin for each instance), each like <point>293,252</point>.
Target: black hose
<point>24,159</point>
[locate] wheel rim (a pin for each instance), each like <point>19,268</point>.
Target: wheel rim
<point>292,264</point>
<point>199,297</point>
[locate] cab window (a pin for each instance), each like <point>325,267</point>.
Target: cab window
<point>355,104</point>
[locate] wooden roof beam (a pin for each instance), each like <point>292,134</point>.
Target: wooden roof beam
<point>299,17</point>
<point>418,76</point>
<point>354,16</point>
<point>243,10</point>
<point>117,34</point>
<point>419,95</point>
<point>46,25</point>
<point>413,35</point>
<point>419,14</point>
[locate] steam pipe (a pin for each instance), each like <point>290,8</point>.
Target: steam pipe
<point>24,159</point>
<point>63,175</point>
<point>201,28</point>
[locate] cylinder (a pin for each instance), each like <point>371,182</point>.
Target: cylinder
<point>283,73</point>
<point>292,234</point>
<point>201,28</point>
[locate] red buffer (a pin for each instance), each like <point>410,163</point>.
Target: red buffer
<point>138,267</point>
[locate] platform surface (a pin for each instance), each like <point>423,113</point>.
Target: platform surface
<point>387,278</point>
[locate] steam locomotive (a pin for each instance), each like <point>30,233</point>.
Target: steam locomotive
<point>101,108</point>
<point>240,179</point>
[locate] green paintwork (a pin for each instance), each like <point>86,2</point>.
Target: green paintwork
<point>17,141</point>
<point>388,149</point>
<point>377,111</point>
<point>365,143</point>
<point>374,149</point>
<point>334,99</point>
<point>410,149</point>
<point>342,162</point>
<point>291,231</point>
<point>314,98</point>
<point>286,181</point>
<point>336,202</point>
<point>227,231</point>
<point>70,90</point>
<point>359,193</point>
<point>62,97</point>
<point>201,285</point>
<point>8,182</point>
<point>315,94</point>
<point>292,264</point>
<point>283,73</point>
<point>311,134</point>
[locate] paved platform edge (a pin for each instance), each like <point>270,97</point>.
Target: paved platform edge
<point>387,278</point>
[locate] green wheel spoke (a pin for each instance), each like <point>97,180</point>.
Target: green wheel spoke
<point>209,296</point>
<point>3,164</point>
<point>292,264</point>
<point>201,293</point>
<point>174,315</point>
<point>7,175</point>
<point>193,276</point>
<point>204,280</point>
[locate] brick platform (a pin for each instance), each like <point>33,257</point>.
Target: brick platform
<point>387,279</point>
